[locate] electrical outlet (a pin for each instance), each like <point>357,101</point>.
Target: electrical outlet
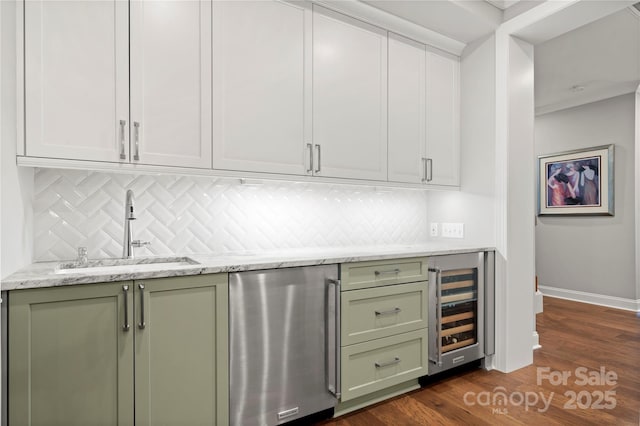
<point>434,229</point>
<point>453,230</point>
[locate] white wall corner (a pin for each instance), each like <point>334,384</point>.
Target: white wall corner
<point>637,191</point>
<point>536,341</point>
<point>537,302</point>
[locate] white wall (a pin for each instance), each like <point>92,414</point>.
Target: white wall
<point>637,195</point>
<point>16,185</point>
<point>593,254</point>
<point>474,205</point>
<point>515,326</point>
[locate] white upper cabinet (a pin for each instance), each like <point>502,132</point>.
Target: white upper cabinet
<point>349,97</point>
<point>257,86</point>
<point>407,113</point>
<point>443,120</point>
<point>261,118</point>
<point>76,79</point>
<point>171,83</point>
<point>424,140</point>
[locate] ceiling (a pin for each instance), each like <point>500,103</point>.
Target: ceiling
<point>463,21</point>
<point>594,62</point>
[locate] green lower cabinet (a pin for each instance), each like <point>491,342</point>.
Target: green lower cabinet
<point>381,363</point>
<point>73,352</point>
<point>181,354</point>
<point>70,361</point>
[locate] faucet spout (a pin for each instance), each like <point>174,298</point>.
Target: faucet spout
<point>129,215</point>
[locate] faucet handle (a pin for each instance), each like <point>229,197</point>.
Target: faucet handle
<point>138,243</point>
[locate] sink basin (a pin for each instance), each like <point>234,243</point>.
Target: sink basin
<point>121,265</point>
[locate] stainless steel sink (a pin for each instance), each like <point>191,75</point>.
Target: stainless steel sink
<point>120,265</point>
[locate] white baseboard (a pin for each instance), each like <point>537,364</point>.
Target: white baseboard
<point>592,298</point>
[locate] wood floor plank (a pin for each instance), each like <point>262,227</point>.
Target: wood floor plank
<point>572,335</point>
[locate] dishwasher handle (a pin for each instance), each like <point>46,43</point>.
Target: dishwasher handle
<point>332,334</point>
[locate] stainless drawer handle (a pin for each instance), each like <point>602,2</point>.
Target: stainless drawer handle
<point>389,312</point>
<point>395,360</point>
<point>392,271</point>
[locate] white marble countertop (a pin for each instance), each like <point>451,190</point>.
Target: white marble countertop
<point>48,274</point>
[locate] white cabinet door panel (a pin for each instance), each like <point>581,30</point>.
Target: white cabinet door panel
<point>259,86</point>
<point>407,117</point>
<point>76,79</point>
<point>443,119</point>
<point>349,97</point>
<point>171,83</point>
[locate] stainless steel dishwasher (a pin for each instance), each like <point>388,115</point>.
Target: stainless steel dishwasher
<point>284,343</point>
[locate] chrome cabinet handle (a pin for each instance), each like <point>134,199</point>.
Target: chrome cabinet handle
<point>424,170</point>
<point>136,138</point>
<point>394,361</point>
<point>126,326</point>
<point>123,123</point>
<point>392,271</point>
<point>310,168</point>
<point>389,312</point>
<point>429,174</point>
<point>142,324</point>
<point>317,170</point>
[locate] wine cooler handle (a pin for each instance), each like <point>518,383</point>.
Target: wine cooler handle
<point>438,325</point>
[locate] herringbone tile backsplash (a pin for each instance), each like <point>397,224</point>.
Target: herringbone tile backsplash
<point>182,215</point>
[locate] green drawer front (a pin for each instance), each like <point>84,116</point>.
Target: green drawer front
<point>375,365</point>
<point>378,273</point>
<point>384,311</point>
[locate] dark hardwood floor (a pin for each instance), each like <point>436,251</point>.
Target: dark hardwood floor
<point>576,338</point>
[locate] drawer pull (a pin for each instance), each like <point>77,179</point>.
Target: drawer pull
<point>395,360</point>
<point>389,312</point>
<point>392,271</point>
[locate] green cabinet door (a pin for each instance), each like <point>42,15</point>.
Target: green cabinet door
<point>70,356</point>
<point>181,351</point>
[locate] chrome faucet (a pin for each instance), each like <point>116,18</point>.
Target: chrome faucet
<point>129,214</point>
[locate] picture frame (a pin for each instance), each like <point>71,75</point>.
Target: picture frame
<point>579,182</point>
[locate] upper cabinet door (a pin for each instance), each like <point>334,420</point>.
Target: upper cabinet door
<point>349,97</point>
<point>443,119</point>
<point>407,117</point>
<point>171,83</point>
<point>261,115</point>
<point>76,79</point>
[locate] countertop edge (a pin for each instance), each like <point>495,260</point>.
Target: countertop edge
<point>41,275</point>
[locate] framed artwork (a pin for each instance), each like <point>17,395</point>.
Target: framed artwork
<point>576,182</point>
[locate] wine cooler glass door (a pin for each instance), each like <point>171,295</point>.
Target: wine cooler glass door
<point>456,322</point>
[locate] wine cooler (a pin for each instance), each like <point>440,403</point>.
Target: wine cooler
<point>459,288</point>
